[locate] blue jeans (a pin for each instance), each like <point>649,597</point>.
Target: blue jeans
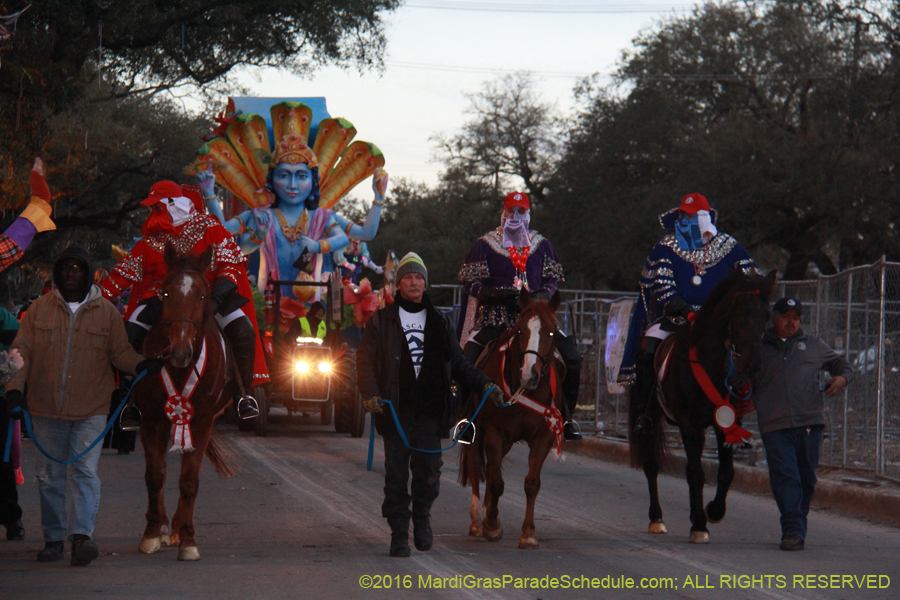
<point>793,455</point>
<point>70,494</point>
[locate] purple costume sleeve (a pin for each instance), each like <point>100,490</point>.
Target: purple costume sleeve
<point>474,271</point>
<point>548,271</point>
<point>21,232</point>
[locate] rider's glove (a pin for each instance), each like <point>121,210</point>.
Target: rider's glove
<point>223,289</point>
<point>151,365</point>
<point>678,307</point>
<point>15,399</point>
<point>372,405</point>
<point>495,395</point>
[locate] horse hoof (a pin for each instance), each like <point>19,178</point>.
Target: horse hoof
<point>149,545</point>
<point>164,536</point>
<point>714,514</point>
<point>174,540</point>
<point>493,536</point>
<point>189,553</point>
<point>476,531</point>
<point>657,527</point>
<point>528,543</point>
<point>699,537</point>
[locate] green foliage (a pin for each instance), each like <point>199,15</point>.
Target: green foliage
<point>62,47</point>
<point>101,160</point>
<point>783,115</point>
<point>439,224</point>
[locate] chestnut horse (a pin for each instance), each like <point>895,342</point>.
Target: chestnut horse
<point>185,334</point>
<point>523,360</point>
<point>729,325</point>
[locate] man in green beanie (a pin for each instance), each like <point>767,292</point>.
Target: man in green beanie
<point>408,355</point>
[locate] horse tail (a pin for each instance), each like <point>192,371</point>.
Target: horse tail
<point>471,465</point>
<point>646,446</point>
<point>221,455</point>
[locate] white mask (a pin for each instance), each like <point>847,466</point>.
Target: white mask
<point>180,209</point>
<point>515,229</point>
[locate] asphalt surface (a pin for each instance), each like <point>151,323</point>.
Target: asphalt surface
<point>302,519</point>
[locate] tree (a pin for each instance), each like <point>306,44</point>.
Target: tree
<point>512,137</point>
<point>101,162</point>
<point>783,115</point>
<point>439,224</point>
<point>133,47</point>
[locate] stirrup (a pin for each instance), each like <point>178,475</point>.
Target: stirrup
<point>130,419</point>
<point>458,430</point>
<point>644,424</point>
<point>248,408</point>
<point>576,431</point>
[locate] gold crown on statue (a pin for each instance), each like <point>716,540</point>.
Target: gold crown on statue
<point>290,126</point>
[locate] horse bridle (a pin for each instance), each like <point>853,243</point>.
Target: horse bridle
<point>544,359</point>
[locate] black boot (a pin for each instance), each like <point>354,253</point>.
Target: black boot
<point>570,385</point>
<point>15,531</point>
<point>644,386</point>
<point>242,337</point>
<point>84,550</point>
<point>423,537</point>
<point>570,434</point>
<point>52,552</point>
<point>399,537</point>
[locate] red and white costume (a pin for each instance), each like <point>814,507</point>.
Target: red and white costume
<point>144,269</point>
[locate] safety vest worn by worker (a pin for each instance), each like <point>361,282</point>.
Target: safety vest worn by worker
<point>307,331</point>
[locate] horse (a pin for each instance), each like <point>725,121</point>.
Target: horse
<point>729,326</point>
<point>185,334</point>
<point>524,359</point>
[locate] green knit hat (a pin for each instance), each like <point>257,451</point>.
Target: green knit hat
<point>411,263</point>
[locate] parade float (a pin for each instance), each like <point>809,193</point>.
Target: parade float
<point>283,166</point>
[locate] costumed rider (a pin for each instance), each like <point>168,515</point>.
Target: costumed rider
<point>688,261</point>
<point>177,218</point>
<point>501,263</point>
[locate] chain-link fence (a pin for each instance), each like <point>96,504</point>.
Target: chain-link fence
<point>856,312</point>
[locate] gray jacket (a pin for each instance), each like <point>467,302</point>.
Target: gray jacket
<point>786,389</point>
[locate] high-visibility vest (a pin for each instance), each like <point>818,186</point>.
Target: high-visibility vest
<point>307,331</point>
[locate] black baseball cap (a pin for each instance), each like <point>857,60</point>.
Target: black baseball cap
<point>786,304</point>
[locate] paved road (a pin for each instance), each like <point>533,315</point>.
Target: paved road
<point>302,520</point>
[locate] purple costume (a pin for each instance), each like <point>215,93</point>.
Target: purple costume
<point>489,264</point>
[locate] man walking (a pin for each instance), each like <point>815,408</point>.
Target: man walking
<point>790,407</point>
<point>70,340</point>
<point>408,355</point>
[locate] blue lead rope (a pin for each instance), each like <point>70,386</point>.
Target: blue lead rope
<point>402,433</point>
<point>732,368</point>
<point>27,419</point>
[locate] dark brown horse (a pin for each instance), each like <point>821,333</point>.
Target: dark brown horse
<point>523,360</point>
<point>730,323</point>
<point>186,334</point>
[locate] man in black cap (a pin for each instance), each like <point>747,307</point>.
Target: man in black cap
<point>790,408</point>
<point>70,340</point>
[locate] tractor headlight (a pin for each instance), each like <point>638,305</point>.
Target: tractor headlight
<point>302,366</point>
<point>324,367</point>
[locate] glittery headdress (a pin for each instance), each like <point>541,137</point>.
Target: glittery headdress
<point>290,126</point>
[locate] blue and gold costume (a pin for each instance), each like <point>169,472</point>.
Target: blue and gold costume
<point>671,272</point>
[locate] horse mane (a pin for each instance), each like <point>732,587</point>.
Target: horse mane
<point>723,295</point>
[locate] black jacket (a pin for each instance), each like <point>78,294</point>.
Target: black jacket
<point>378,363</point>
<point>786,389</point>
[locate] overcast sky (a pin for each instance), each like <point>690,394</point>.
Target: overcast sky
<point>440,50</point>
